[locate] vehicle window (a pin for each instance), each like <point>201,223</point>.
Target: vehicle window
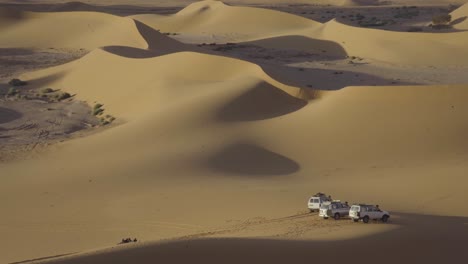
<point>354,208</point>
<point>316,200</point>
<point>324,206</point>
<point>311,201</point>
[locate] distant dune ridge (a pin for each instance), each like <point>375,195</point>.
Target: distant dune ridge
<point>212,18</point>
<point>86,30</point>
<point>204,141</point>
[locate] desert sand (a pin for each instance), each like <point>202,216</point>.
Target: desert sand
<point>227,118</point>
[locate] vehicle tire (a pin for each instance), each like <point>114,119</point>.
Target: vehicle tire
<point>311,210</point>
<point>365,219</point>
<point>325,218</point>
<point>385,218</point>
<point>355,220</point>
<point>336,216</point>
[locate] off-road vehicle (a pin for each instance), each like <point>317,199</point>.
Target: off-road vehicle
<point>367,212</point>
<point>335,209</point>
<point>317,200</point>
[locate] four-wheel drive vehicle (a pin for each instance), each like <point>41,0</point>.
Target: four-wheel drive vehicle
<point>367,212</point>
<point>335,209</point>
<point>317,200</point>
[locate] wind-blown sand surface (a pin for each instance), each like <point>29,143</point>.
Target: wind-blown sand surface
<point>214,155</point>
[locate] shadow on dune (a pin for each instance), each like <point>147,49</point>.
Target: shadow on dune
<point>159,41</point>
<point>300,43</point>
<point>249,159</point>
<point>43,81</point>
<point>263,101</point>
<point>458,21</point>
<point>8,115</point>
<point>15,51</point>
<point>420,239</point>
<point>158,45</point>
<point>130,52</point>
<point>324,79</point>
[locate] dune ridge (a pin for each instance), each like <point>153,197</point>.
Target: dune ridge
<point>214,17</point>
<point>398,47</point>
<point>86,30</point>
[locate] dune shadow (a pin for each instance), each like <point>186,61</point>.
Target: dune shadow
<point>158,45</point>
<point>425,239</point>
<point>15,52</point>
<point>458,20</point>
<point>330,49</point>
<point>249,159</point>
<point>8,115</point>
<point>263,101</point>
<point>130,52</point>
<point>160,42</point>
<point>43,81</point>
<point>327,79</point>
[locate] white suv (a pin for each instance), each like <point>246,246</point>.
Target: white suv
<point>317,200</point>
<point>367,212</point>
<point>335,209</point>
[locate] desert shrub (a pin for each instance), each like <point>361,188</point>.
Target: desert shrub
<point>63,96</point>
<point>17,82</point>
<point>97,109</point>
<point>47,90</point>
<point>12,91</point>
<point>443,19</point>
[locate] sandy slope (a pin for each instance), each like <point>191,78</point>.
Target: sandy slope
<point>398,47</point>
<point>87,30</point>
<point>206,143</point>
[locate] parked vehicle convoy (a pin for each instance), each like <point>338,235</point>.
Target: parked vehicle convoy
<point>317,200</point>
<point>367,212</point>
<point>335,209</point>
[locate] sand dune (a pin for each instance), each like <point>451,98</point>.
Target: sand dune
<point>398,47</point>
<point>209,20</point>
<point>72,6</point>
<point>86,30</point>
<point>207,147</point>
<point>181,125</point>
<point>263,250</point>
<point>228,23</point>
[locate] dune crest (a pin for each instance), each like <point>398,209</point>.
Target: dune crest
<point>118,94</point>
<point>214,17</point>
<point>397,47</point>
<point>86,30</point>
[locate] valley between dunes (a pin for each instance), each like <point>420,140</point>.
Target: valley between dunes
<point>224,129</point>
